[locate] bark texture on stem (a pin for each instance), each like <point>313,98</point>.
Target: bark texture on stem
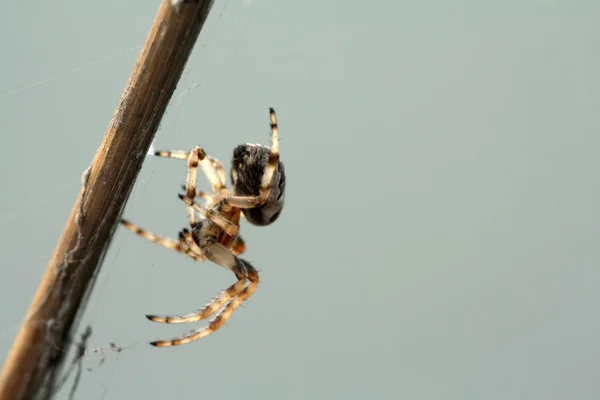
<point>38,353</point>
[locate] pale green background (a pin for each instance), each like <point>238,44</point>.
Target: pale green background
<point>439,239</point>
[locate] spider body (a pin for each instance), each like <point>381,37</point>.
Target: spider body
<point>258,180</point>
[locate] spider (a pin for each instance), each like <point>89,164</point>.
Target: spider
<point>258,181</point>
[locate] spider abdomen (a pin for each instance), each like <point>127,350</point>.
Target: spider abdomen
<point>247,169</point>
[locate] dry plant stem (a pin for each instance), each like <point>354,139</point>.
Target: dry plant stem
<point>34,363</point>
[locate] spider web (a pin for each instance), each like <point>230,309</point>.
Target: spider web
<point>91,366</point>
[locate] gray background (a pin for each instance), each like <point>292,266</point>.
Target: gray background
<point>439,236</point>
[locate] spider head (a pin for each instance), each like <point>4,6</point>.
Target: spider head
<point>247,170</point>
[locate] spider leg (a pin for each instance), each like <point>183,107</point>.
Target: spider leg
<point>180,154</point>
<point>198,157</point>
<point>189,247</point>
<point>213,325</point>
<point>183,155</point>
<point>168,243</point>
<point>194,251</point>
<point>265,184</point>
<point>201,194</point>
<point>190,186</point>
<point>208,166</point>
<point>232,297</point>
<point>190,240</point>
<point>206,311</point>
<point>229,227</point>
<point>219,168</point>
<point>214,170</point>
<point>182,247</point>
<point>207,197</point>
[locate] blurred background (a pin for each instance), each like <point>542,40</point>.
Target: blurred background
<point>439,238</point>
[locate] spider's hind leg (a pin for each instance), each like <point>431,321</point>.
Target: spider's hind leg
<point>230,298</point>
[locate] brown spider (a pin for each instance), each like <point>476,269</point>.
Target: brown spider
<point>258,180</point>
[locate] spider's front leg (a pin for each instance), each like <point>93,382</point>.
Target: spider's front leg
<point>231,298</point>
<point>213,168</point>
<point>184,155</point>
<point>198,157</point>
<point>162,241</point>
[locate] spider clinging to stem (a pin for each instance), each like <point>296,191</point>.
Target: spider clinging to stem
<point>258,192</point>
